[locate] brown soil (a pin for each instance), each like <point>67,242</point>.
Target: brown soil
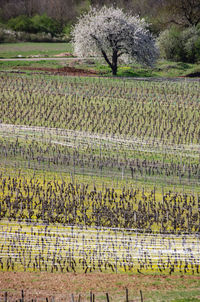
<point>64,54</point>
<point>63,71</point>
<point>61,286</point>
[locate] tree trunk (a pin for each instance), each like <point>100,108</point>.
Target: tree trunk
<point>114,62</point>
<point>114,70</point>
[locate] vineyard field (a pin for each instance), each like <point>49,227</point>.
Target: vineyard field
<point>69,203</point>
<point>85,249</point>
<point>99,175</point>
<point>123,129</point>
<point>165,111</point>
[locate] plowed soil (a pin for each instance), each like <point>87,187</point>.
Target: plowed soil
<point>62,285</point>
<point>71,71</point>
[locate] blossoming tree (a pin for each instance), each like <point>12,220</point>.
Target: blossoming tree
<point>113,34</point>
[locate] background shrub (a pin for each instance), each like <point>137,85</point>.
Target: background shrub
<point>191,44</point>
<point>67,29</point>
<point>20,23</point>
<point>169,44</point>
<point>7,35</point>
<point>2,35</point>
<point>45,24</point>
<point>180,45</point>
<point>36,24</point>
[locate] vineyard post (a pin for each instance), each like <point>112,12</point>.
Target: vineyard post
<point>107,297</point>
<point>72,298</point>
<point>72,178</point>
<point>141,296</point>
<point>74,163</point>
<point>179,177</point>
<point>83,170</point>
<point>122,173</point>
<point>101,167</point>
<point>126,294</point>
<point>6,297</point>
<point>116,263</point>
<point>22,296</point>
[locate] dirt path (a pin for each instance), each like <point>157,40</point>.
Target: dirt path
<point>43,59</point>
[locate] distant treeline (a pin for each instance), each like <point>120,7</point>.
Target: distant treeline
<point>176,23</point>
<point>160,13</point>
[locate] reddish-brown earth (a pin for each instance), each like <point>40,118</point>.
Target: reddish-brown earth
<point>62,285</point>
<point>63,71</point>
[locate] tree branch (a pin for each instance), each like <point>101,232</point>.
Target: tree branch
<point>102,51</point>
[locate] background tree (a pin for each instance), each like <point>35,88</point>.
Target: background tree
<point>61,10</point>
<point>113,34</point>
<point>180,45</point>
<point>180,12</point>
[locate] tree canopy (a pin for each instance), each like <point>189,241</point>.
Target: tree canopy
<point>113,34</point>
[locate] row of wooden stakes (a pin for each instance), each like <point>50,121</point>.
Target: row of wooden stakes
<point>73,299</point>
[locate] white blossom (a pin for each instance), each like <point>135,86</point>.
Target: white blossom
<point>113,34</point>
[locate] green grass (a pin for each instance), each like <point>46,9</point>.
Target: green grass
<point>187,300</point>
<point>25,49</point>
<point>161,69</point>
<point>187,295</point>
<point>15,65</point>
<point>175,69</point>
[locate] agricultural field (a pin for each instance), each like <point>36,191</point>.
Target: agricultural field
<point>30,49</point>
<point>33,55</point>
<point>99,175</point>
<point>84,249</point>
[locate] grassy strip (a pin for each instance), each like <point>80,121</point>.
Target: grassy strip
<point>26,49</point>
<point>164,69</point>
<point>17,65</point>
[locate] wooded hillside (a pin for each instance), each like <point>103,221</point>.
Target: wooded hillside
<point>161,13</point>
